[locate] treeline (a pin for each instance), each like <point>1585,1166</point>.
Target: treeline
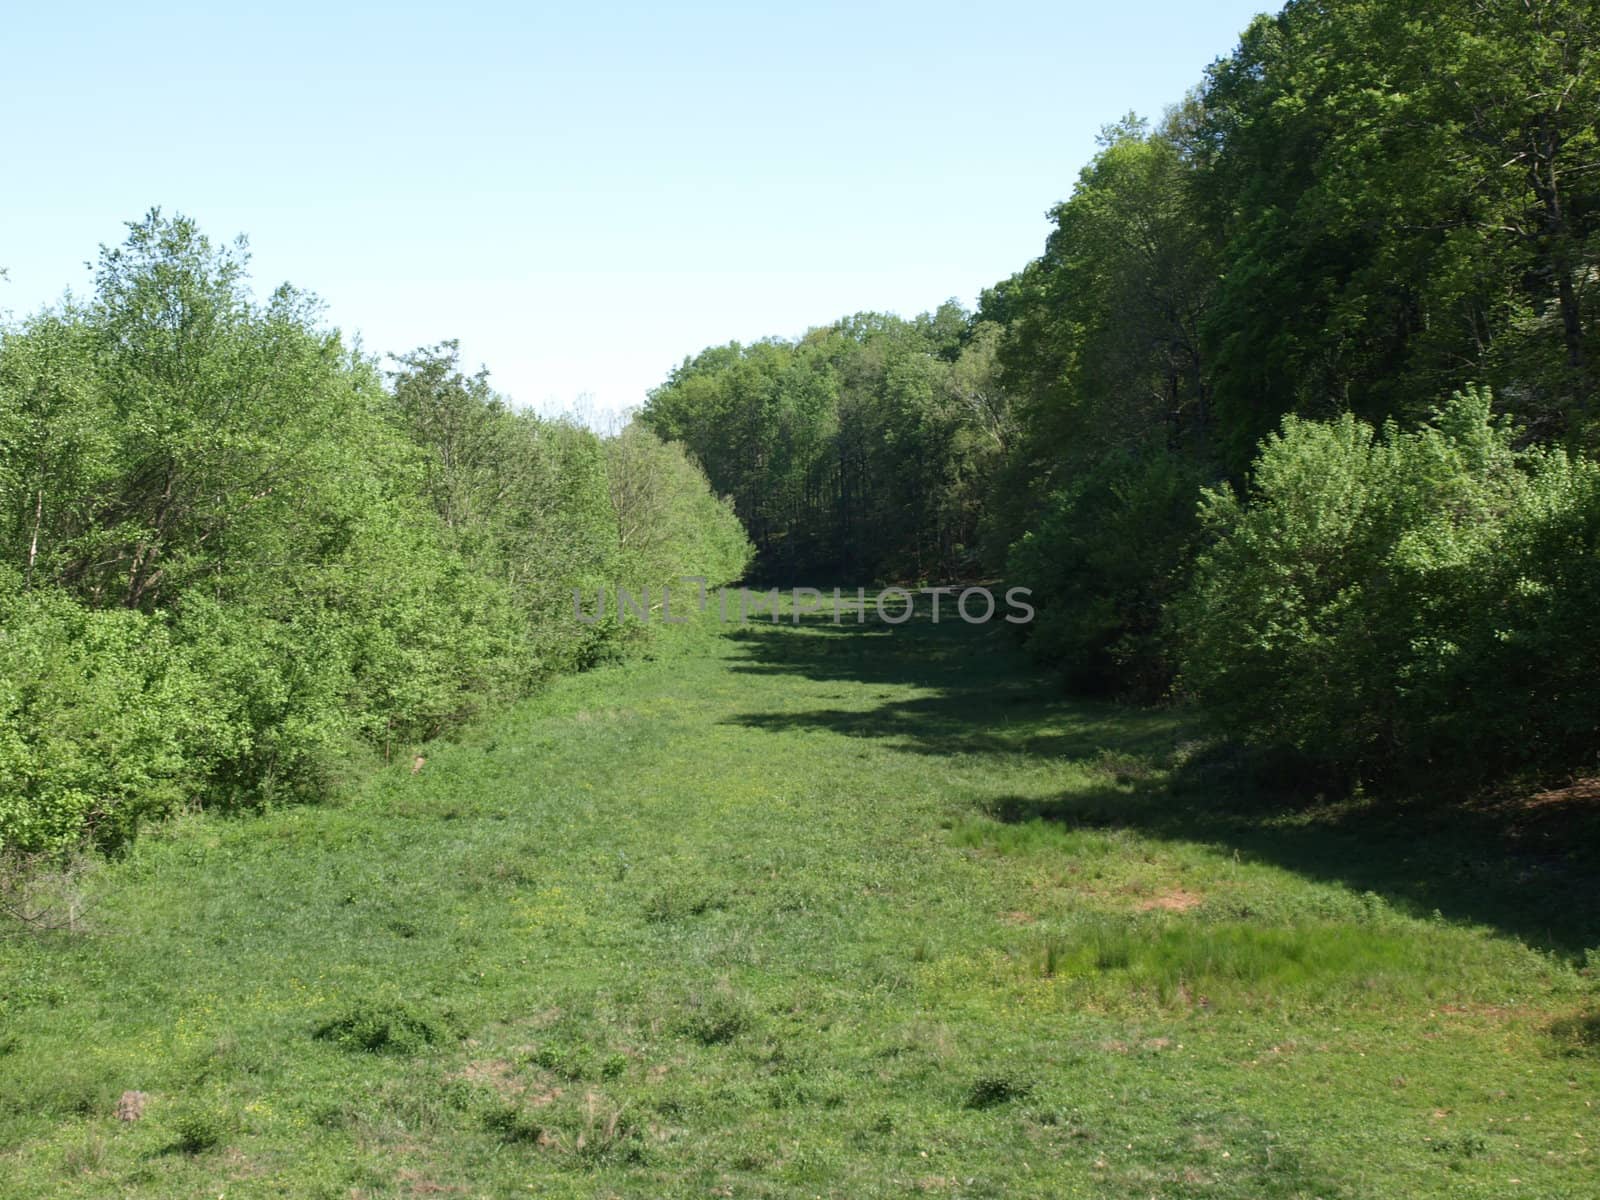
<point>1292,416</point>
<point>861,448</point>
<point>236,557</point>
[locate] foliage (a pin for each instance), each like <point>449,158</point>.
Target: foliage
<point>666,514</point>
<point>230,556</point>
<point>1108,553</point>
<point>197,1130</point>
<point>1406,200</point>
<point>98,715</point>
<point>526,502</point>
<point>378,1029</point>
<point>858,448</point>
<point>1413,599</point>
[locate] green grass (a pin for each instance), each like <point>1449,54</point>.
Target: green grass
<point>815,912</point>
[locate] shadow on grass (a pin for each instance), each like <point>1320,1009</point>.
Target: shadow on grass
<point>1578,1035</point>
<point>972,693</point>
<point>1478,865</point>
<point>1526,870</point>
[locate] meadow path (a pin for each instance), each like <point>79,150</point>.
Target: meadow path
<point>798,913</point>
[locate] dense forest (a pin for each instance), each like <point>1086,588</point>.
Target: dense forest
<point>240,557</point>
<point>1293,418</point>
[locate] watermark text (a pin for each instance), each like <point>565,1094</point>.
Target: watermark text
<point>891,605</point>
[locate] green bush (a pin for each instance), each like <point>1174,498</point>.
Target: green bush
<point>231,557</point>
<point>98,718</point>
<point>666,514</point>
<point>1418,602</point>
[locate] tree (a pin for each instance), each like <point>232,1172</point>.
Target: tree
<point>1405,194</point>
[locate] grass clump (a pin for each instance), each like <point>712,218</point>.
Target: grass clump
<point>991,1091</point>
<point>512,1122</point>
<point>378,1029</point>
<point>590,1130</point>
<point>1578,1034</point>
<point>196,1130</point>
<point>569,1061</point>
<point>677,902</point>
<point>718,1019</point>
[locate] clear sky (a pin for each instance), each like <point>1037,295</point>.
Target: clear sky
<point>584,193</point>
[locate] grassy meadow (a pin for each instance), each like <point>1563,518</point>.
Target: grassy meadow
<point>816,912</point>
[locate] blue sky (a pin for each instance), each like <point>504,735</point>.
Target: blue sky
<point>582,194</point>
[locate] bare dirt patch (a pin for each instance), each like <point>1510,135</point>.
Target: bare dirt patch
<point>420,1185</point>
<point>500,1076</point>
<point>1174,900</point>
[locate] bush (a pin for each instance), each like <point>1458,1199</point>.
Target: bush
<point>718,1018</point>
<point>97,722</point>
<point>230,556</point>
<point>667,514</point>
<point>1417,602</point>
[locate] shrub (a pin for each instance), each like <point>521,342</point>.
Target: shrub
<point>97,721</point>
<point>1413,602</point>
<point>229,556</point>
<point>718,1018</point>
